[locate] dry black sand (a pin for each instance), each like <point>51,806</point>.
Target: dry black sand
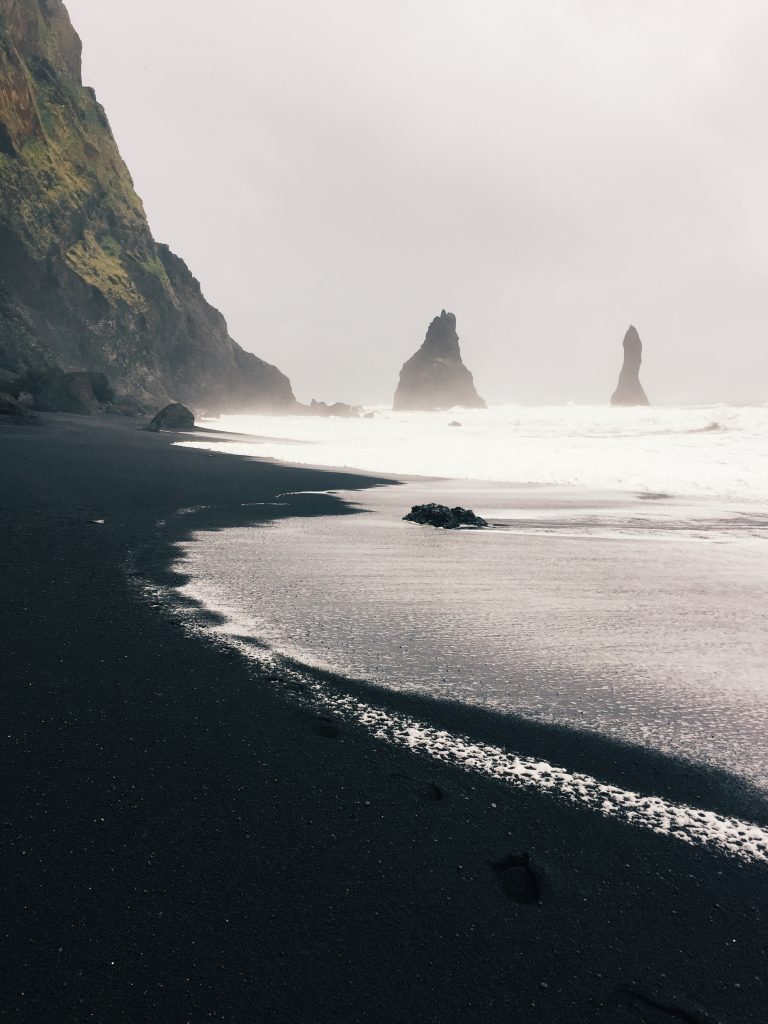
<point>180,843</point>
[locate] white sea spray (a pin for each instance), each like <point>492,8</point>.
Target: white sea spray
<point>708,451</point>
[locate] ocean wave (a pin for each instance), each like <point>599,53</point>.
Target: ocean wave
<point>712,451</point>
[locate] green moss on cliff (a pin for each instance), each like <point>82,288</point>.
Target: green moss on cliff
<point>103,270</point>
<point>83,284</point>
<point>67,172</point>
<point>154,266</point>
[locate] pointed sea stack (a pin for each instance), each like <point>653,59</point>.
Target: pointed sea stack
<point>629,390</point>
<point>435,377</point>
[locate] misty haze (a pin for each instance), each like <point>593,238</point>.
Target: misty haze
<point>384,512</point>
<point>337,172</point>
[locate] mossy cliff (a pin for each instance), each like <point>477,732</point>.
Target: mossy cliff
<point>83,284</point>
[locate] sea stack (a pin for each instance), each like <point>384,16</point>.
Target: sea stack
<point>435,377</point>
<point>629,390</point>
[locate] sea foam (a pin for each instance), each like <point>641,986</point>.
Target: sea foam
<point>707,451</point>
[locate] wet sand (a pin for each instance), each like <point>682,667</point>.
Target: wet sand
<point>184,840</point>
<point>639,619</point>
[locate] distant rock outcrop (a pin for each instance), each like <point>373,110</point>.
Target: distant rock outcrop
<point>83,284</point>
<point>337,409</point>
<point>435,377</point>
<point>629,390</point>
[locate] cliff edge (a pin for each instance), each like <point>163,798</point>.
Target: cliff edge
<point>83,284</point>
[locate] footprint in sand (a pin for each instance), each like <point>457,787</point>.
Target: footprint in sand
<point>325,726</point>
<point>631,1005</point>
<point>516,878</point>
<point>417,787</point>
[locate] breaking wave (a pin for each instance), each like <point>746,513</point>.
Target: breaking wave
<point>698,451</point>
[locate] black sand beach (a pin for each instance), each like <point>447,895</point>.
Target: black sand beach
<point>181,843</point>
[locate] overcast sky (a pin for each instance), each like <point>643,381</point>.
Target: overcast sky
<point>337,171</point>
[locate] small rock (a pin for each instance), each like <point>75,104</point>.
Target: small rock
<point>444,517</point>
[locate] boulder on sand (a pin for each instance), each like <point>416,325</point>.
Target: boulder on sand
<point>173,417</point>
<point>444,517</point>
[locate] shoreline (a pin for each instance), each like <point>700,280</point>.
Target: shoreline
<point>668,450</point>
<point>310,621</point>
<point>186,844</point>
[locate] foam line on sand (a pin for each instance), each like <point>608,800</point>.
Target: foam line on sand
<point>691,825</point>
<point>734,837</point>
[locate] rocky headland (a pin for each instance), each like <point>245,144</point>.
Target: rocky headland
<point>629,390</point>
<point>435,376</point>
<point>83,284</point>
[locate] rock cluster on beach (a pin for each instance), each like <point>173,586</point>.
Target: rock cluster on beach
<point>435,376</point>
<point>629,390</point>
<point>444,517</point>
<point>83,284</point>
<point>80,392</point>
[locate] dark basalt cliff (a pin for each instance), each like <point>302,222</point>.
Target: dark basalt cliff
<point>83,284</point>
<point>629,390</point>
<point>435,377</point>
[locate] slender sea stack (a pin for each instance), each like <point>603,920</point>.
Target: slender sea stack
<point>83,284</point>
<point>629,390</point>
<point>435,377</point>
